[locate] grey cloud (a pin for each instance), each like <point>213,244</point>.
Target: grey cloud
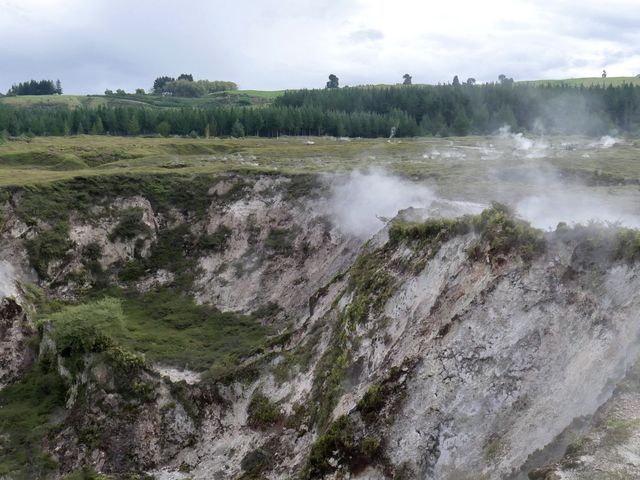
<point>296,43</point>
<point>368,35</point>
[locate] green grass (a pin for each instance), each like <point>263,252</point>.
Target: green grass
<point>270,94</point>
<point>27,411</point>
<point>170,328</point>
<point>588,81</point>
<point>230,98</point>
<point>71,101</point>
<point>36,161</point>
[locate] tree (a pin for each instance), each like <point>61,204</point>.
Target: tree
<point>504,80</point>
<point>184,88</point>
<point>163,128</point>
<point>333,81</point>
<point>133,127</point>
<point>604,74</point>
<point>237,130</point>
<point>120,91</point>
<point>456,81</point>
<point>140,91</point>
<point>471,81</point>
<point>160,82</point>
<point>186,76</point>
<point>58,87</point>
<point>407,79</point>
<point>108,92</point>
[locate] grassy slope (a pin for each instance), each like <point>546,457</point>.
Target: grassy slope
<point>238,97</point>
<point>45,159</point>
<point>588,81</point>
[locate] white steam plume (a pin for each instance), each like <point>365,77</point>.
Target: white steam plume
<point>546,211</point>
<point>362,201</point>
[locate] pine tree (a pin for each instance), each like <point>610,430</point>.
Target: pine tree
<point>237,130</point>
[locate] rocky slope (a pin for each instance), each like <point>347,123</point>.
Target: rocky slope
<point>444,349</point>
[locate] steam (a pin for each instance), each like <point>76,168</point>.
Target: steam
<point>606,142</point>
<point>362,202</point>
<point>7,280</point>
<point>546,211</point>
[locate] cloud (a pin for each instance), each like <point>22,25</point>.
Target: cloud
<point>369,35</point>
<point>296,43</point>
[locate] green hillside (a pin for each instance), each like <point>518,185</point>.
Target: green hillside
<point>230,98</point>
<point>588,81</point>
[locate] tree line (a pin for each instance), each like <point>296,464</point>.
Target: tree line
<point>442,110</point>
<point>186,86</point>
<point>238,122</point>
<point>466,108</point>
<point>34,87</point>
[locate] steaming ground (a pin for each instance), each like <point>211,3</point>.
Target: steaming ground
<point>531,174</point>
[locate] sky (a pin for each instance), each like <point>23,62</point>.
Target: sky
<point>92,45</point>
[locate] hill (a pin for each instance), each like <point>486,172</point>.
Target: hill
<point>230,98</point>
<point>587,81</point>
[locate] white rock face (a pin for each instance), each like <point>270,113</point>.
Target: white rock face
<point>497,359</point>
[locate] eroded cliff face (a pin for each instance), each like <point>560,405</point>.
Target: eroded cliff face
<point>445,349</point>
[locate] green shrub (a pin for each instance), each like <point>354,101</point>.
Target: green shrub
<point>256,461</point>
<point>84,328</point>
<point>628,245</point>
<point>48,246</point>
<point>280,241</point>
<point>341,442</point>
<point>372,401</point>
<point>500,231</point>
<point>262,412</point>
<point>503,233</point>
<point>431,230</point>
<point>217,241</point>
<point>130,225</point>
<point>27,408</point>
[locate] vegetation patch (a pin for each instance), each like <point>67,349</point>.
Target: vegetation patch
<point>628,245</point>
<point>262,412</point>
<point>130,225</point>
<point>504,233</point>
<point>169,327</point>
<point>500,233</point>
<point>27,409</point>
<point>48,246</point>
<point>341,445</point>
<point>217,241</point>
<point>256,462</point>
<point>430,233</point>
<point>280,241</point>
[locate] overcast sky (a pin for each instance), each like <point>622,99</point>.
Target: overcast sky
<point>91,45</point>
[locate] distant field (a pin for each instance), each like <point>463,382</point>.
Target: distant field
<point>232,98</point>
<point>73,101</point>
<point>259,93</point>
<point>466,167</point>
<point>588,81</point>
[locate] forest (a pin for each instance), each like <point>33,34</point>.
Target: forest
<point>376,111</point>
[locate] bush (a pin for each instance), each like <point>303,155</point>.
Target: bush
<point>80,329</point>
<point>256,461</point>
<point>372,401</point>
<point>48,246</point>
<point>280,241</point>
<point>263,413</point>
<point>504,233</point>
<point>217,241</point>
<point>341,443</point>
<point>130,225</point>
<point>628,245</point>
